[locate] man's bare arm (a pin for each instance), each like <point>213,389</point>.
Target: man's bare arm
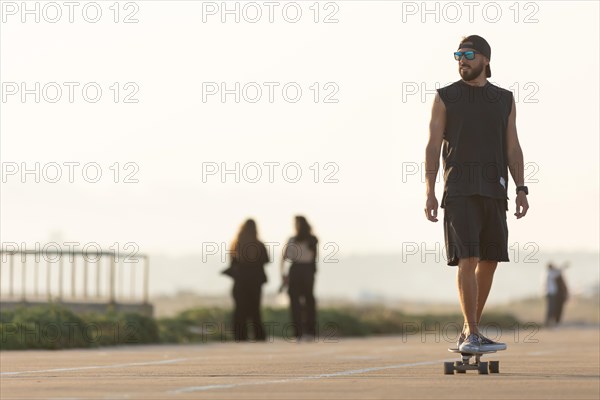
<point>513,148</point>
<point>515,161</point>
<point>437,126</point>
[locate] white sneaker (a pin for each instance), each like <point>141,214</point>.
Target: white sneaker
<point>489,344</point>
<point>472,344</point>
<point>461,339</point>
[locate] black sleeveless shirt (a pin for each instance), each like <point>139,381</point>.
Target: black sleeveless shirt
<point>474,145</point>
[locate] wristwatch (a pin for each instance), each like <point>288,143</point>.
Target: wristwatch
<point>522,188</point>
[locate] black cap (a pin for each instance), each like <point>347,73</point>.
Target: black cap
<point>481,45</point>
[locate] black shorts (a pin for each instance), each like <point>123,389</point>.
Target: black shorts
<point>475,226</point>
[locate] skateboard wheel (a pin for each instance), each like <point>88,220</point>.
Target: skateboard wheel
<point>483,367</point>
<point>494,367</point>
<point>457,365</point>
<point>448,368</point>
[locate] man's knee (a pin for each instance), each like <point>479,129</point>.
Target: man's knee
<point>468,264</point>
<point>488,264</point>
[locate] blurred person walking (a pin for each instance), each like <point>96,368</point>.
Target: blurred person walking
<point>556,293</point>
<point>301,251</point>
<point>563,295</point>
<point>475,122</point>
<point>248,257</point>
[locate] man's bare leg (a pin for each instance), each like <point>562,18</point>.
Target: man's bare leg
<point>467,292</point>
<point>485,275</point>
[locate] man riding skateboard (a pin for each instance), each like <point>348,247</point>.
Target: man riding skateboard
<point>474,123</point>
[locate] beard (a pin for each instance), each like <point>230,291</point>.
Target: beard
<point>471,73</point>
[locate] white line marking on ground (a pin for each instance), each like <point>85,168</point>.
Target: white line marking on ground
<point>358,358</point>
<point>540,353</point>
<point>137,364</point>
<point>303,378</point>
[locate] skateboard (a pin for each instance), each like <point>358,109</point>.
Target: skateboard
<point>461,367</point>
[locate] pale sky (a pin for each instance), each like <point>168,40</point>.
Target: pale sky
<point>375,131</point>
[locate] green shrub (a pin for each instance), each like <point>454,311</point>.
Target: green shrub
<point>121,328</point>
<point>53,326</point>
<point>42,327</point>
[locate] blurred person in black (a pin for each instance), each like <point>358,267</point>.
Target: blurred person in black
<point>248,257</point>
<point>301,251</point>
<point>563,295</point>
<point>556,292</point>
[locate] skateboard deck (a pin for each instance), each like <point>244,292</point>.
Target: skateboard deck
<point>461,367</point>
<point>456,350</point>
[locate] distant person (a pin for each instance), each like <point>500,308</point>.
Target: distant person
<point>474,121</point>
<point>563,295</point>
<point>556,295</point>
<point>301,251</point>
<point>249,255</point>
